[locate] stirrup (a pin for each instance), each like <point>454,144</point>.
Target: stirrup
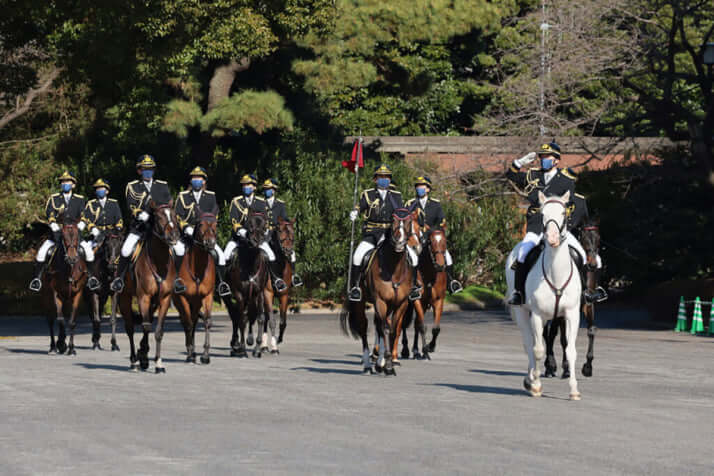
<point>516,299</point>
<point>597,295</point>
<point>415,294</point>
<point>455,287</point>
<point>117,285</point>
<point>93,283</point>
<point>179,286</point>
<point>224,289</point>
<point>280,285</point>
<point>355,294</point>
<point>296,281</point>
<point>35,285</point>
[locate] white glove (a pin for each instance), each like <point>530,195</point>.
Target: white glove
<point>242,232</point>
<point>143,216</point>
<point>54,227</point>
<point>525,160</point>
<point>188,231</point>
<point>353,215</point>
<point>95,232</point>
<point>81,225</point>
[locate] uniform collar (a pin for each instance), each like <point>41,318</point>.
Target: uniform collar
<point>382,193</point>
<point>67,196</point>
<point>102,201</point>
<point>197,195</point>
<point>270,201</point>
<point>249,200</point>
<point>423,201</point>
<point>148,184</point>
<point>548,176</point>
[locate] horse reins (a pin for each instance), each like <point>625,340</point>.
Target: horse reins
<point>558,291</point>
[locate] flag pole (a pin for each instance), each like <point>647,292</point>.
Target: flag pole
<point>354,204</point>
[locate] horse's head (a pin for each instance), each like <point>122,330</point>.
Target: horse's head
<point>205,234</point>
<point>70,241</point>
<point>437,248</point>
<point>590,239</point>
<point>165,222</point>
<point>112,249</point>
<point>256,227</point>
<point>405,231</point>
<point>286,235</point>
<point>555,217</point>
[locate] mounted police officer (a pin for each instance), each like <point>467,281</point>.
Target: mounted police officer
<point>70,206</point>
<point>138,195</point>
<point>377,205</point>
<point>241,207</point>
<point>431,217</point>
<point>187,208</point>
<point>277,209</point>
<point>550,180</point>
<point>102,214</point>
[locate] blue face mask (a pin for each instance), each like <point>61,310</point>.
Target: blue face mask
<point>269,193</point>
<point>247,190</point>
<point>147,174</point>
<point>383,182</point>
<point>547,163</point>
<point>66,187</point>
<point>421,191</point>
<point>101,193</point>
<point>197,184</point>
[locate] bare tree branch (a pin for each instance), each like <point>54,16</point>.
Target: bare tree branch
<point>31,95</point>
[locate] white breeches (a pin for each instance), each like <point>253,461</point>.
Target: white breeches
<point>529,242</point>
<point>447,256</point>
<point>129,244</point>
<point>293,258</point>
<point>362,249</point>
<point>221,256</point>
<point>88,251</point>
<point>44,249</point>
<point>232,245</point>
<point>179,248</point>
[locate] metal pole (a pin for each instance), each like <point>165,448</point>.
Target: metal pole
<point>541,100</point>
<point>354,204</point>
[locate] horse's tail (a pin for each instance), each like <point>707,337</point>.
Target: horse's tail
<point>348,320</point>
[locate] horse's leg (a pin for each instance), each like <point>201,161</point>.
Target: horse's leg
<point>159,332</point>
<point>420,330</point>
<point>257,311</point>
<point>589,312</point>
<point>250,339</point>
<point>405,328</point>
<point>51,325</point>
<point>61,334</point>
<point>128,314</point>
<point>145,311</point>
<point>185,312</point>
<point>76,299</point>
<point>572,323</point>
<point>386,339</point>
<point>93,314</point>
<point>538,351</point>
<point>207,324</point>
<point>564,345</point>
<point>283,299</point>
<point>272,324</point>
<point>113,319</point>
<point>394,328</point>
<point>549,332</point>
<point>522,318</point>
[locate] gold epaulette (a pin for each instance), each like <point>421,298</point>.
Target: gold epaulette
<point>580,196</point>
<point>409,202</point>
<point>568,173</point>
<point>209,192</point>
<point>435,200</point>
<point>160,181</point>
<point>78,195</point>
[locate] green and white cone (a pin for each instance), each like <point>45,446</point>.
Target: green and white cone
<point>711,318</point>
<point>681,317</point>
<point>697,322</point>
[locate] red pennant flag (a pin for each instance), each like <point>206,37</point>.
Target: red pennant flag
<point>356,158</point>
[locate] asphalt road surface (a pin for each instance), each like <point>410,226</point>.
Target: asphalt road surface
<point>648,409</point>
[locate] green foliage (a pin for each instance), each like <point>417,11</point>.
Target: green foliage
<point>180,117</point>
<point>257,110</point>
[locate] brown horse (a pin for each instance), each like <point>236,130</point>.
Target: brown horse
<point>64,285</point>
<point>198,271</point>
<point>387,283</point>
<point>247,278</point>
<point>432,267</point>
<point>285,240</point>
<point>151,282</point>
<point>107,253</point>
<point>590,239</point>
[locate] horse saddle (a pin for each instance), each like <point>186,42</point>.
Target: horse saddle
<point>535,253</point>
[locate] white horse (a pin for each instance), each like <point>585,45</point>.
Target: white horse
<point>553,288</point>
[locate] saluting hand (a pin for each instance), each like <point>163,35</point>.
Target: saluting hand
<point>525,160</point>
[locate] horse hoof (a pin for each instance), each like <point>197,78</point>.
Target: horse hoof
<point>264,349</point>
<point>115,348</point>
<point>588,370</point>
<point>405,353</point>
<point>144,365</point>
<point>390,372</point>
<point>396,362</point>
<point>426,356</point>
<point>61,348</point>
<point>432,347</point>
<point>160,370</point>
<point>71,351</point>
<point>52,350</point>
<point>96,346</point>
<point>191,359</point>
<point>205,360</point>
<point>367,370</point>
<point>280,340</point>
<point>532,390</point>
<point>249,340</point>
<point>133,368</point>
<point>549,372</point>
<point>566,374</point>
<point>378,368</point>
<point>275,351</point>
<point>575,396</point>
<point>416,356</point>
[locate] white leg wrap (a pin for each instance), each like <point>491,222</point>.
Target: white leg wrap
<point>572,241</point>
<point>42,252</point>
<point>129,244</point>
<point>447,256</point>
<point>361,250</point>
<point>266,247</point>
<point>221,256</point>
<point>529,242</point>
<point>179,248</point>
<point>293,257</point>
<point>599,262</point>
<point>88,251</point>
<point>230,246</point>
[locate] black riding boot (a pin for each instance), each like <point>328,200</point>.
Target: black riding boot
<point>415,292</point>
<point>118,283</point>
<point>518,296</point>
<point>596,295</point>
<point>278,283</point>
<point>36,283</point>
<point>355,291</point>
<point>179,286</point>
<point>454,285</point>
<point>223,288</point>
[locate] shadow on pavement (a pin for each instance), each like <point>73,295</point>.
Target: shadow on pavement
<point>333,361</point>
<point>120,368</point>
<point>320,370</point>
<point>496,372</point>
<point>480,389</point>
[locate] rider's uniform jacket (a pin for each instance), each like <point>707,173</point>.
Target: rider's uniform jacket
<point>240,210</point>
<point>138,196</point>
<point>578,213</point>
<point>377,212</point>
<point>188,210</point>
<point>277,210</point>
<point>104,217</point>
<point>431,214</point>
<point>72,209</point>
<point>532,182</point>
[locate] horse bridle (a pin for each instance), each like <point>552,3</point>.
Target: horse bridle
<point>209,218</point>
<point>408,233</point>
<point>281,240</point>
<point>563,230</point>
<point>563,227</point>
<point>170,224</point>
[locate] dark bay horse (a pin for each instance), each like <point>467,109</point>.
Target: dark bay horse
<point>284,237</point>
<point>387,283</point>
<point>590,239</point>
<point>198,271</point>
<point>63,287</point>
<point>247,278</point>
<point>151,282</point>
<point>107,253</point>
<point>432,267</point>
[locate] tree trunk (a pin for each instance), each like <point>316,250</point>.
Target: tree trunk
<point>219,88</point>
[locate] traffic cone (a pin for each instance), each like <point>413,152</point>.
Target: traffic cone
<point>681,317</point>
<point>697,322</point>
<point>711,318</point>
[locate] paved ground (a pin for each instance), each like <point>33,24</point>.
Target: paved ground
<point>649,409</point>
